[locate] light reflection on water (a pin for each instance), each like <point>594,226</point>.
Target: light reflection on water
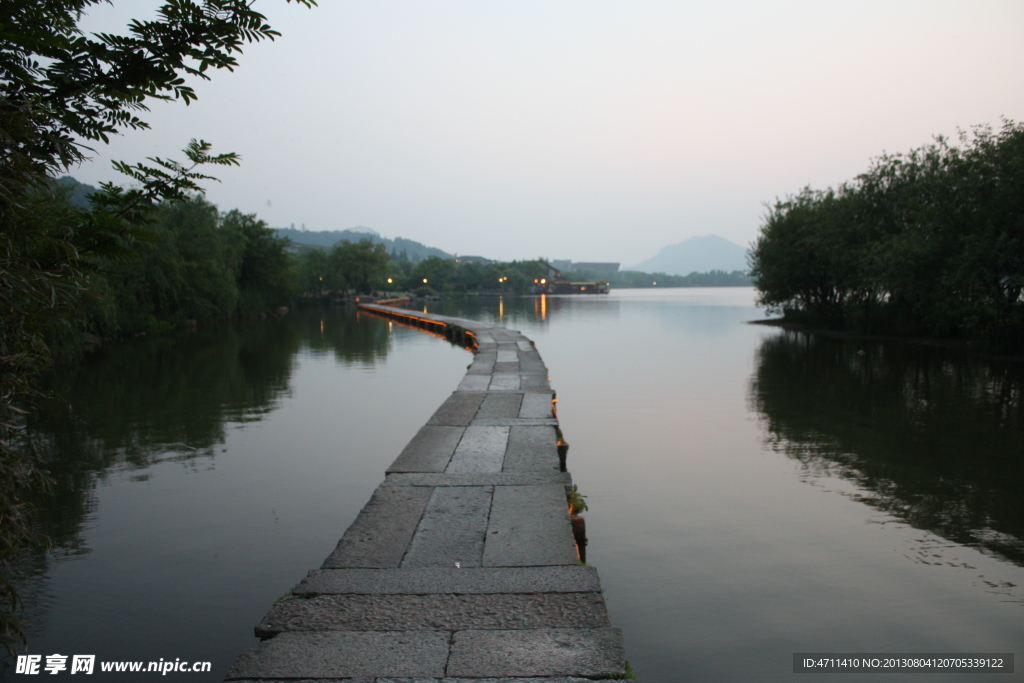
<point>753,493</point>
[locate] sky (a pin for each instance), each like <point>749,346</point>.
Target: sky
<point>589,130</point>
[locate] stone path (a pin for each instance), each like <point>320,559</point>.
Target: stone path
<point>462,567</point>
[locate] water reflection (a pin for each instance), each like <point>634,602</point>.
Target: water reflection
<point>134,405</point>
<point>146,401</point>
<point>932,439</point>
<point>340,334</point>
<point>526,312</point>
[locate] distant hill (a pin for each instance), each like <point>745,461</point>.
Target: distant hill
<point>696,255</point>
<point>328,238</point>
<point>77,191</point>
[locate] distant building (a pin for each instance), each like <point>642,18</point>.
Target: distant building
<point>554,283</point>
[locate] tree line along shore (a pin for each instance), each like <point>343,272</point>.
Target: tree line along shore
<point>195,265</point>
<point>927,243</point>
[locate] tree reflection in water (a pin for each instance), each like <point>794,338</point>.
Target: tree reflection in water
<point>930,437</point>
<point>132,405</point>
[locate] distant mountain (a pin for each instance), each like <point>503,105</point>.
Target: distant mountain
<point>328,238</point>
<point>77,191</point>
<point>696,255</point>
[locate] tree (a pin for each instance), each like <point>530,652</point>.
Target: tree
<point>357,266</point>
<point>927,242</point>
<point>264,276</point>
<point>437,272</point>
<point>312,269</point>
<point>60,91</point>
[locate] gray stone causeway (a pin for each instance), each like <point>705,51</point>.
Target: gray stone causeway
<point>462,567</point>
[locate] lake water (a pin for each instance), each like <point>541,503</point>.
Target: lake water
<point>753,492</point>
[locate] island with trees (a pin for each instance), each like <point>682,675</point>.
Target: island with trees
<point>927,243</point>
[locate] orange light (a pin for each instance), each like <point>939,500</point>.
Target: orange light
<point>389,281</point>
<point>424,280</point>
<point>543,281</point>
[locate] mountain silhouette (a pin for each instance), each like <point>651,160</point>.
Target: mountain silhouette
<point>696,255</point>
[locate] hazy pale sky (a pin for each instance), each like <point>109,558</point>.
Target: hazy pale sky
<point>580,129</point>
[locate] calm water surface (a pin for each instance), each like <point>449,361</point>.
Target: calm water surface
<point>753,492</point>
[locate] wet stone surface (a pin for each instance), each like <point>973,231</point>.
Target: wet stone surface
<point>430,450</point>
<point>428,580</point>
<point>435,612</point>
<point>452,528</point>
<point>383,529</point>
<point>538,652</point>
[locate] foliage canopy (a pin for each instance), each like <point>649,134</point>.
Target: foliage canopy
<point>61,90</point>
<point>930,242</point>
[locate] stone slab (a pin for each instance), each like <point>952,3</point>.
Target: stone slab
<point>482,449</point>
<point>341,654</point>
<point>481,368</point>
<point>382,531</point>
<point>501,405</point>
<point>475,382</point>
<point>531,449</point>
<point>511,368</point>
<point>426,580</point>
<point>535,383</point>
<point>536,405</point>
<point>435,612</point>
<point>546,679</point>
<point>429,451</point>
<point>361,679</point>
<point>431,479</point>
<point>529,527</point>
<point>511,421</point>
<point>510,355</point>
<point>589,653</point>
<point>504,383</point>
<point>458,409</point>
<point>530,367</point>
<point>451,529</point>
<point>524,345</point>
